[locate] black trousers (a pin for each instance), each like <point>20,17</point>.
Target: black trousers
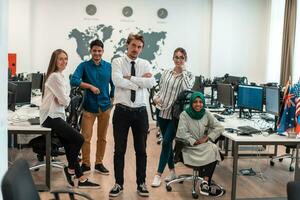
<point>207,171</point>
<point>70,138</point>
<point>124,118</point>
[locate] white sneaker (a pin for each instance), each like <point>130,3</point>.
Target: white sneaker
<point>156,181</point>
<point>171,177</point>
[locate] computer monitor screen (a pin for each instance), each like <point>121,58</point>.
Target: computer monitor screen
<point>23,92</point>
<point>11,96</point>
<point>225,94</point>
<point>272,100</point>
<point>36,79</point>
<point>250,97</point>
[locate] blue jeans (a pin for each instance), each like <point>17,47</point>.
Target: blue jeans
<point>166,155</point>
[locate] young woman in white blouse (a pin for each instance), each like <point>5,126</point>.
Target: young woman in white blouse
<point>52,115</point>
<point>172,82</point>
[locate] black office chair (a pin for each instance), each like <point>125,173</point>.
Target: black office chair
<point>17,184</point>
<point>293,190</point>
<point>195,178</point>
<point>288,154</point>
<point>38,144</point>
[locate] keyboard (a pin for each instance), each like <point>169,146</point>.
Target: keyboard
<point>34,121</point>
<point>219,118</point>
<point>248,130</point>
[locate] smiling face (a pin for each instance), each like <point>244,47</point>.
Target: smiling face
<point>197,104</point>
<point>179,59</point>
<point>97,52</point>
<point>62,61</point>
<point>134,48</point>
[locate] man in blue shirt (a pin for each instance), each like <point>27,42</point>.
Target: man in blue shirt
<point>94,76</point>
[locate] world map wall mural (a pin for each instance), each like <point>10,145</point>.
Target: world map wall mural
<point>154,41</point>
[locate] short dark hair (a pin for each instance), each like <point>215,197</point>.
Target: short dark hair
<point>132,36</point>
<point>96,42</point>
<point>181,50</point>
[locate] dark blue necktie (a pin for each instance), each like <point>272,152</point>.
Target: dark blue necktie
<point>132,95</point>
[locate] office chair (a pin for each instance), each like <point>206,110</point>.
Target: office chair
<point>288,154</point>
<point>293,190</point>
<point>38,144</point>
<point>195,178</point>
<point>17,184</point>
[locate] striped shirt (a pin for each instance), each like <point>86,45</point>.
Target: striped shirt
<point>169,88</point>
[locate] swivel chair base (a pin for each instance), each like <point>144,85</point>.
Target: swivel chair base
<point>187,177</point>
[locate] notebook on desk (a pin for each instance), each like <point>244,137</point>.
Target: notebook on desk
<point>248,130</point>
<point>34,121</point>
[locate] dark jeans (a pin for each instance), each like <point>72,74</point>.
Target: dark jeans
<point>168,132</point>
<point>70,138</point>
<point>124,118</point>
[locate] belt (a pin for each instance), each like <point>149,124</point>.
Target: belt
<point>127,108</point>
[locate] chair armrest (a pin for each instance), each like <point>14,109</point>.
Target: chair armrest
<point>182,142</point>
<point>70,192</point>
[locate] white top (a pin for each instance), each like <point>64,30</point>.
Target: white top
<point>55,98</point>
<point>122,67</point>
<point>170,86</point>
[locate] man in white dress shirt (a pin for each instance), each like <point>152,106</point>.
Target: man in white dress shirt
<point>131,76</point>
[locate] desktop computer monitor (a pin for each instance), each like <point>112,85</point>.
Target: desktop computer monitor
<point>272,100</point>
<point>36,80</point>
<point>250,97</point>
<point>11,96</point>
<point>23,94</point>
<point>225,94</point>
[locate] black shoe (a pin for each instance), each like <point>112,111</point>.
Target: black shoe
<point>116,190</point>
<point>101,169</point>
<point>216,190</point>
<point>69,177</point>
<point>88,184</point>
<point>85,169</point>
<point>142,190</point>
<point>204,188</point>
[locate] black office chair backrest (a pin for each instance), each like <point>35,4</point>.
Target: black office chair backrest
<point>180,104</point>
<point>74,110</point>
<point>293,190</point>
<point>17,183</point>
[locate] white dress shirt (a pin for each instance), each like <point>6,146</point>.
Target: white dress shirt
<point>55,88</point>
<point>122,67</point>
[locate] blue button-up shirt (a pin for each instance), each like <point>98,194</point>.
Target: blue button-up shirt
<point>98,76</point>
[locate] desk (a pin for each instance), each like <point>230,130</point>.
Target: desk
<point>37,129</point>
<point>272,139</point>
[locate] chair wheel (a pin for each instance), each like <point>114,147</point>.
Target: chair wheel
<point>272,163</point>
<point>291,169</point>
<point>280,159</point>
<point>168,188</point>
<point>195,195</point>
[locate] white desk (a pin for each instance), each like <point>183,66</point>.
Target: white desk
<point>272,139</point>
<point>21,126</point>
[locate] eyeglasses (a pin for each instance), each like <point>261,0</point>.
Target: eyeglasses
<point>178,57</point>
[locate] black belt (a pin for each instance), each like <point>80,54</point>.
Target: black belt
<point>127,108</point>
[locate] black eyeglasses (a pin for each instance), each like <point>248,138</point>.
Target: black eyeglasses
<point>178,58</point>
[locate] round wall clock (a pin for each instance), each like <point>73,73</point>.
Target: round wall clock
<point>91,9</point>
<point>162,13</point>
<point>127,11</point>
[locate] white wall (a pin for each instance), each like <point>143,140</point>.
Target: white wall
<point>3,87</point>
<point>48,24</point>
<point>239,38</point>
<point>19,33</point>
